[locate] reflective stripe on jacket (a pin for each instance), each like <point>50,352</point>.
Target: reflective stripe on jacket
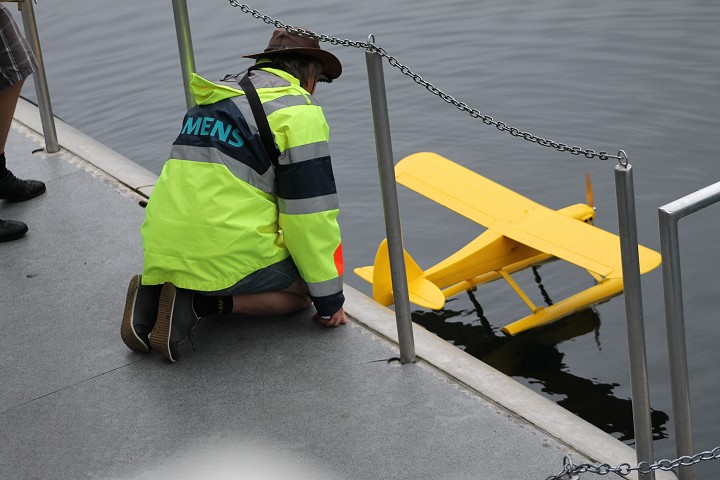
<point>221,210</point>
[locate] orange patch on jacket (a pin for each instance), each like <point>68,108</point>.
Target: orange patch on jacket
<point>339,264</point>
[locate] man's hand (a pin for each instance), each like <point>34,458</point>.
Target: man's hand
<point>338,318</point>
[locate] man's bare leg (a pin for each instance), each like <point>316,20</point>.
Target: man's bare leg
<point>292,299</point>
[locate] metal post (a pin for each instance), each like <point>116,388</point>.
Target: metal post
<point>669,215</point>
<point>187,57</point>
<point>386,169</point>
<point>675,325</point>
<point>41,87</point>
<point>634,313</point>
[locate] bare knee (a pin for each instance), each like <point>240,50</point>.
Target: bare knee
<point>306,301</point>
<point>299,290</point>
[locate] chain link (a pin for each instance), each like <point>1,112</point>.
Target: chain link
<point>473,112</point>
<point>571,471</point>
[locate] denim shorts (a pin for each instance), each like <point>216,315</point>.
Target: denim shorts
<point>273,278</point>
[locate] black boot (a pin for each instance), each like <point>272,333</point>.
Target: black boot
<point>17,190</point>
<point>11,230</point>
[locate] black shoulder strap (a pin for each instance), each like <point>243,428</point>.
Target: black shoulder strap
<point>260,118</point>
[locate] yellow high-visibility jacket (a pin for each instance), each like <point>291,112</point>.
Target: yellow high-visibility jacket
<point>222,210</point>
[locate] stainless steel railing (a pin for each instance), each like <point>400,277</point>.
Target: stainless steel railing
<point>640,391</point>
<point>669,215</point>
<point>185,46</point>
<point>393,230</point>
<point>41,86</point>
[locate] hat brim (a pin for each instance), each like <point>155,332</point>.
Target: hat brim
<point>332,68</point>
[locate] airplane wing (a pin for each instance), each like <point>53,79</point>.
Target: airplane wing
<point>505,212</point>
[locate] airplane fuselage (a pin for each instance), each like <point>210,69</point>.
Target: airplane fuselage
<point>480,260</point>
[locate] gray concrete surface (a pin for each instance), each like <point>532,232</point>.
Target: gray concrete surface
<point>270,398</point>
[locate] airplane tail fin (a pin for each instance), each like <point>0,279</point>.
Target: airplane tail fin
<point>422,292</point>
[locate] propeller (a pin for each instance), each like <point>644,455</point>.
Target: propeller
<point>589,197</point>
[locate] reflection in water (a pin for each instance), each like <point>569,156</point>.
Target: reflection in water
<point>535,355</point>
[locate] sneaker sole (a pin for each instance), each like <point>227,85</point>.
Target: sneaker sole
<point>160,336</point>
<point>127,332</point>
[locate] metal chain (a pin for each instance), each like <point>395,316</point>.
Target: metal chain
<point>571,471</point>
<point>473,112</point>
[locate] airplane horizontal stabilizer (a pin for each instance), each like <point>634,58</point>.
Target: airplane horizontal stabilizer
<point>421,291</point>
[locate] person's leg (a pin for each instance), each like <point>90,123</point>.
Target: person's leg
<point>292,299</point>
<point>275,290</point>
<point>9,229</point>
<point>11,187</point>
<point>8,101</point>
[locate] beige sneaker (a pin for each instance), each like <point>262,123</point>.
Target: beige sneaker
<point>141,309</point>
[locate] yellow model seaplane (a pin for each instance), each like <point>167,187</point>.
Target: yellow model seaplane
<point>520,234</point>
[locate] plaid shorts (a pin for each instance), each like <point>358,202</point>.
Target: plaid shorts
<point>17,61</point>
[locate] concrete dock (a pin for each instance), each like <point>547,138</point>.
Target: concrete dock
<point>260,398</point>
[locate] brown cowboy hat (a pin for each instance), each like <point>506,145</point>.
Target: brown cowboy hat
<point>283,41</point>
